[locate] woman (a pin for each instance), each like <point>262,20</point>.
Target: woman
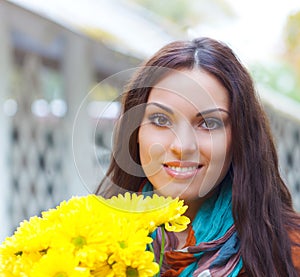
<point>192,126</point>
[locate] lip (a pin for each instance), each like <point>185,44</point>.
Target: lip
<point>182,169</point>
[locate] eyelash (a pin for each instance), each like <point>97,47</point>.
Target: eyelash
<point>217,123</point>
<point>155,117</point>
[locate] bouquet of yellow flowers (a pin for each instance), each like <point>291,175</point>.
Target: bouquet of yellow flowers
<point>92,236</point>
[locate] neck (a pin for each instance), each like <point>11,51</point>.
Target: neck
<point>195,204</point>
<point>193,208</point>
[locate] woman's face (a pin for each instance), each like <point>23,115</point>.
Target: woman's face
<point>185,135</point>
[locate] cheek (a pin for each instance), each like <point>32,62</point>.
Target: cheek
<point>218,155</point>
<point>152,151</point>
<point>221,147</point>
<point>228,145</point>
<point>217,169</point>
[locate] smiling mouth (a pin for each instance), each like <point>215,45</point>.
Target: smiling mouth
<point>183,168</point>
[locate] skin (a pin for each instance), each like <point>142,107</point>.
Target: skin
<point>185,136</point>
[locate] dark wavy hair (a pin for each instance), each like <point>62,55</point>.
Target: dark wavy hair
<point>262,205</point>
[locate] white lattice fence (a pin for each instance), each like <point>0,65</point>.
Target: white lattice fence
<point>37,172</point>
<point>284,116</point>
<point>37,144</point>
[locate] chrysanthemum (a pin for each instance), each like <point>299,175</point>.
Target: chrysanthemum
<point>21,251</point>
<point>127,240</point>
<point>84,229</point>
<point>58,264</point>
<point>91,236</point>
<point>129,202</point>
<point>152,212</point>
<point>141,267</point>
<point>170,213</point>
<point>102,269</point>
<point>89,208</point>
<point>25,238</point>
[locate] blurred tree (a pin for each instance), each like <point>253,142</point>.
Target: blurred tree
<point>187,13</point>
<point>278,76</point>
<point>283,73</point>
<point>292,39</point>
<point>103,92</point>
<point>292,44</point>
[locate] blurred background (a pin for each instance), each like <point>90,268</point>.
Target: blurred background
<point>63,64</point>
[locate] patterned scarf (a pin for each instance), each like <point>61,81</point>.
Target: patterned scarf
<point>212,247</point>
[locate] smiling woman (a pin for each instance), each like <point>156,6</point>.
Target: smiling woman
<point>192,127</point>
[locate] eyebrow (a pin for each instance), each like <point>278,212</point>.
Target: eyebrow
<point>211,111</point>
<point>161,106</point>
<point>198,114</point>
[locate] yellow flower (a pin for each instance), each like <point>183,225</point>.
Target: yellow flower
<point>170,213</point>
<point>58,264</point>
<point>83,228</point>
<point>152,212</point>
<point>129,202</point>
<point>103,269</point>
<point>127,241</point>
<point>133,267</point>
<point>8,263</point>
<point>19,252</point>
<point>89,209</point>
<point>91,236</point>
<point>15,264</point>
<point>25,238</point>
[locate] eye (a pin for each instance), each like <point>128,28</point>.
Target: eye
<point>211,123</point>
<point>160,120</point>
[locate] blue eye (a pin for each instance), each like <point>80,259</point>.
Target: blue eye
<point>211,123</point>
<point>160,120</point>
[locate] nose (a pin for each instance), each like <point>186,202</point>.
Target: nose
<point>184,142</point>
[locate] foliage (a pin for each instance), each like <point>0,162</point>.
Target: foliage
<point>283,75</point>
<point>186,13</point>
<point>292,41</point>
<point>103,92</point>
<point>277,76</point>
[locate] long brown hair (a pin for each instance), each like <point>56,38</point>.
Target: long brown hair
<point>262,205</point>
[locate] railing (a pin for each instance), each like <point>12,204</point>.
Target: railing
<point>284,115</point>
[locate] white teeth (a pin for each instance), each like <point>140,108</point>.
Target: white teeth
<point>183,169</point>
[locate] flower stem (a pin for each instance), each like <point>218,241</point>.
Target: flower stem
<point>152,250</point>
<point>162,248</point>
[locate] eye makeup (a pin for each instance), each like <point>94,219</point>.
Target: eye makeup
<point>211,119</point>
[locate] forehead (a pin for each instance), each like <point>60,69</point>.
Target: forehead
<point>195,87</point>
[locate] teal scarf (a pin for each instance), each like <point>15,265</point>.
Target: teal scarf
<point>217,248</point>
